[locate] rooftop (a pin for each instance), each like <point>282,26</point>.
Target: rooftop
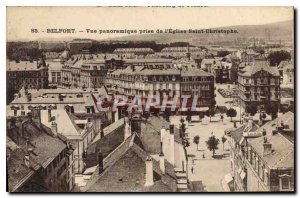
<point>253,69</point>
<point>78,98</point>
<point>124,171</point>
<point>282,155</point>
<point>18,173</point>
<point>133,50</point>
<point>41,140</point>
<point>22,66</point>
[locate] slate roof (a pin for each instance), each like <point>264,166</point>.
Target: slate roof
<point>18,173</point>
<point>283,149</point>
<point>124,171</point>
<point>111,140</point>
<point>251,70</point>
<point>22,66</point>
<point>141,70</point>
<point>50,96</point>
<point>195,73</point>
<point>44,144</point>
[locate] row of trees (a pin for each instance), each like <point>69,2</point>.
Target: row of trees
<point>212,143</point>
<point>269,108</point>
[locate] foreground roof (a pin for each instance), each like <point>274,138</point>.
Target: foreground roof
<point>124,171</point>
<point>282,155</point>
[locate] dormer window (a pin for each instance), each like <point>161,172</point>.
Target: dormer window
<point>173,78</point>
<point>285,182</point>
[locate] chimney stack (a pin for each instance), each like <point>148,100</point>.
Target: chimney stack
<point>54,127</point>
<point>127,131</point>
<point>29,116</point>
<point>162,133</point>
<point>49,115</point>
<point>149,172</point>
<point>162,159</point>
<point>101,130</point>
<point>267,147</point>
<point>61,97</point>
<point>28,96</point>
<point>36,116</point>
<point>27,160</point>
<point>100,163</point>
<point>27,155</point>
<point>102,133</point>
<point>172,145</point>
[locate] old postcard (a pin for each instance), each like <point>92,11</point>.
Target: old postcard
<point>150,99</point>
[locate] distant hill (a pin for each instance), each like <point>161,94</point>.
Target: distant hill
<point>275,31</point>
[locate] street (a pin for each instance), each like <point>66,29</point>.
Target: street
<point>208,171</point>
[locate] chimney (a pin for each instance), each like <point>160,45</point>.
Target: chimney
<point>27,160</point>
<point>22,129</point>
<point>162,159</point>
<point>27,155</point>
<point>127,129</point>
<point>54,127</point>
<point>60,97</point>
<point>27,144</point>
<point>172,145</point>
<point>49,115</point>
<point>36,116</point>
<point>100,163</point>
<point>29,116</point>
<point>149,172</point>
<point>28,96</point>
<point>162,133</point>
<point>267,147</point>
<point>102,133</point>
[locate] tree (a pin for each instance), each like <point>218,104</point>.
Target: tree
<point>197,140</point>
<point>251,108</point>
<point>231,113</point>
<point>167,115</point>
<point>201,116</point>
<point>186,143</point>
<point>212,144</point>
<point>223,141</point>
<point>182,128</point>
<point>259,50</point>
<point>188,118</point>
<point>211,112</point>
<point>234,73</point>
<point>276,57</point>
<point>271,109</point>
<point>222,53</point>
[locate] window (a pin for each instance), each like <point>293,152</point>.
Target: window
<point>285,183</point>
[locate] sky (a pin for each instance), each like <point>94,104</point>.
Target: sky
<point>20,20</point>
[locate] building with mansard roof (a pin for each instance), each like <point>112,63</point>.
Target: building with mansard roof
<point>162,80</point>
<point>259,84</point>
<point>262,157</point>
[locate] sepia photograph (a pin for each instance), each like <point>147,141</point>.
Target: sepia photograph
<point>150,99</point>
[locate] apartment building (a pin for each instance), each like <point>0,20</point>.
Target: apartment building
<point>258,84</point>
